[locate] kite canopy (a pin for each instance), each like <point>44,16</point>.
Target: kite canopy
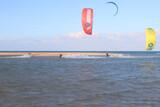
<point>87,20</point>
<point>150,39</point>
<point>115,4</point>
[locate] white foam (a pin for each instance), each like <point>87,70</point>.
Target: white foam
<point>113,55</point>
<point>22,56</point>
<point>81,57</point>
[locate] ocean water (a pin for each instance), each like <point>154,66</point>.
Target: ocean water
<point>128,79</point>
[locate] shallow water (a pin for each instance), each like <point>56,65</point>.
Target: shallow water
<point>96,82</point>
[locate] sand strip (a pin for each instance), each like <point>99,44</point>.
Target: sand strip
<point>53,53</point>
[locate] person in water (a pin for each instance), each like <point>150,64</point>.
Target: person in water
<point>60,56</point>
<point>107,55</point>
<point>29,53</point>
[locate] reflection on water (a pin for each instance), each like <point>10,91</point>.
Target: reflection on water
<point>54,82</point>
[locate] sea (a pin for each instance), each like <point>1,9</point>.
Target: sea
<point>124,79</point>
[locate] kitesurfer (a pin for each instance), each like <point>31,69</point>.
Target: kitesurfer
<point>60,56</point>
<point>107,55</point>
<point>29,53</point>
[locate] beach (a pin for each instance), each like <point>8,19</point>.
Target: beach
<point>53,53</point>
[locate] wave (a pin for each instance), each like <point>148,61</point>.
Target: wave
<point>113,55</point>
<point>82,57</point>
<point>22,56</point>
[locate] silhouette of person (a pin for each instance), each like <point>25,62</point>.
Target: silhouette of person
<point>60,56</point>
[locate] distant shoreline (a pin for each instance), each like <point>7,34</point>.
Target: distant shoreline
<point>51,53</point>
<point>63,53</point>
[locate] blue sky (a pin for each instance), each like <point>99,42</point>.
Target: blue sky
<point>55,25</point>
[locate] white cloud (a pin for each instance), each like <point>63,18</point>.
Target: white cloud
<point>76,35</point>
<point>78,41</point>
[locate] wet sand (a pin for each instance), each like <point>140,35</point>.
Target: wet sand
<point>52,53</point>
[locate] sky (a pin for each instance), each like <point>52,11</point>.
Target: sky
<point>55,25</point>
